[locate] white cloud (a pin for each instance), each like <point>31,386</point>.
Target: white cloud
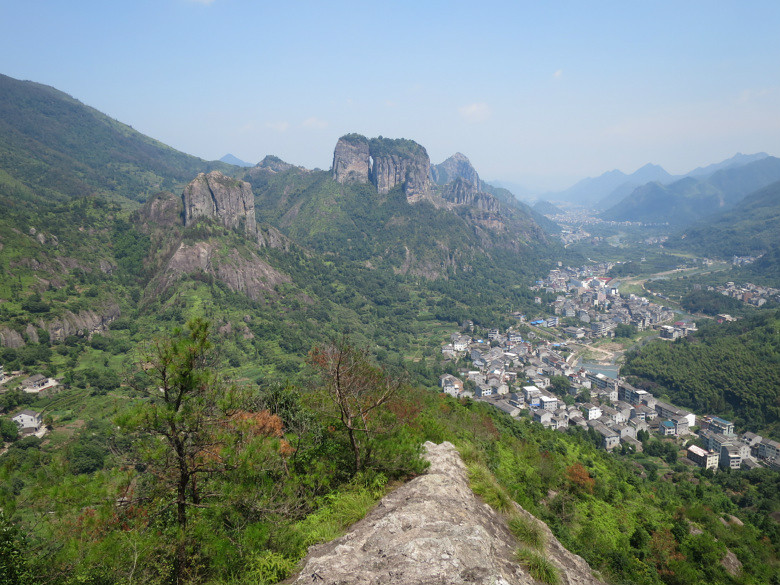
<point>475,113</point>
<point>314,122</point>
<point>278,126</point>
<point>558,74</point>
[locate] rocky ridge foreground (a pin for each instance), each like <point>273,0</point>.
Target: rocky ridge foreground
<point>433,530</point>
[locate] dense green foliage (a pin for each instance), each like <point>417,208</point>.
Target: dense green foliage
<point>765,270</point>
<point>630,520</point>
<point>728,369</point>
<point>711,303</point>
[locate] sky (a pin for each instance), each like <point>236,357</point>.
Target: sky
<point>539,94</point>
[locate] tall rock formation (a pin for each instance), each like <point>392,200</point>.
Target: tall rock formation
<point>434,530</point>
<point>386,163</point>
<point>223,198</point>
<point>463,192</point>
<point>457,166</point>
<point>351,162</point>
<point>400,162</point>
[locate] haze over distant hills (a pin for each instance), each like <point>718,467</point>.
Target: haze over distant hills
<point>590,191</point>
<point>234,160</point>
<point>690,198</point>
<point>750,228</point>
<point>610,188</point>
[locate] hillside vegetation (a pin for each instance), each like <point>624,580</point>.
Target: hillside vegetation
<point>749,229</point>
<point>54,148</point>
<point>728,369</point>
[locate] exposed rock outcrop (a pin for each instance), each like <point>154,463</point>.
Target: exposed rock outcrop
<point>458,165</point>
<point>245,273</point>
<point>164,209</point>
<point>223,198</point>
<point>433,530</point>
<point>463,192</point>
<point>351,159</point>
<point>400,161</point>
<point>11,338</point>
<point>268,236</point>
<point>83,323</point>
<point>387,163</point>
<point>273,164</point>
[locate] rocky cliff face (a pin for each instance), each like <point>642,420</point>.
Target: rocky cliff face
<point>246,273</point>
<point>433,530</point>
<point>351,159</point>
<point>227,200</point>
<point>385,162</point>
<point>82,324</point>
<point>457,166</point>
<point>463,192</point>
<point>164,209</point>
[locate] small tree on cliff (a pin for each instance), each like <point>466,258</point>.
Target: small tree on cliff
<point>192,426</point>
<point>355,392</point>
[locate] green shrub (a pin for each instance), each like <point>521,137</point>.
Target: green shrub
<point>538,566</point>
<point>269,567</point>
<point>527,531</point>
<point>485,486</point>
<point>342,509</point>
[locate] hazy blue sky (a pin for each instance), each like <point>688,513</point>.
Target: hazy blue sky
<point>541,93</point>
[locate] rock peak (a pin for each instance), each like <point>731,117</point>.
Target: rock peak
<point>385,162</point>
<point>456,166</point>
<point>227,200</point>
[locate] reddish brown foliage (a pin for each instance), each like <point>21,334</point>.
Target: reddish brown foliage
<point>259,424</point>
<point>580,478</point>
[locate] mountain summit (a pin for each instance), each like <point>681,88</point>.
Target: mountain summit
<point>385,162</point>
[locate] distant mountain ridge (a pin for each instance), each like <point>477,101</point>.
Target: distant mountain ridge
<point>234,160</point>
<point>610,188</point>
<point>737,160</point>
<point>690,199</point>
<point>590,191</point>
<point>378,204</point>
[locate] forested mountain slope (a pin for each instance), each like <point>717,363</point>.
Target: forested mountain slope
<point>748,229</point>
<point>729,369</point>
<point>53,148</point>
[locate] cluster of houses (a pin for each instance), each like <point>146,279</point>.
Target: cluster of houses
<point>725,449</point>
<point>515,376</point>
<point>752,294</point>
<point>29,421</point>
<point>590,297</point>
